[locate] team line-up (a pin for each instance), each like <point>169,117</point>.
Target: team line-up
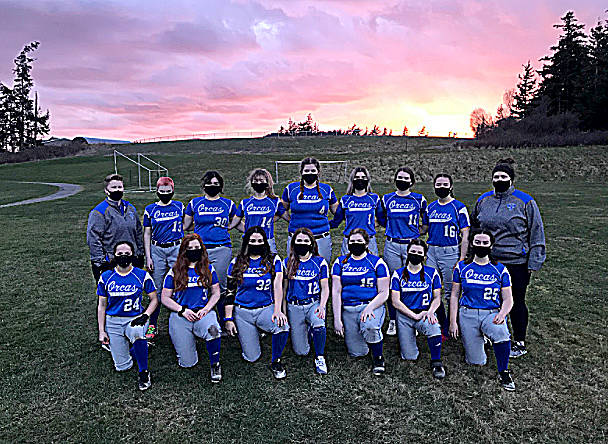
<point>483,265</point>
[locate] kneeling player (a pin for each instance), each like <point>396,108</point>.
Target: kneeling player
<point>120,314</point>
<point>186,292</point>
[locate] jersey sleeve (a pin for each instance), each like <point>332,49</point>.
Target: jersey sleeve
<point>147,221</point>
<point>332,196</point>
<point>230,267</point>
<point>101,287</point>
<point>231,209</point>
<point>324,272</point>
<point>280,209</point>
<point>336,269</point>
<point>190,208</point>
<point>278,265</point>
<point>149,285</point>
<point>436,285</point>
<point>169,283</point>
<point>214,278</point>
<point>424,215</point>
<point>285,195</point>
<point>505,278</point>
<point>456,274</point>
<point>240,210</point>
<point>381,269</point>
<point>339,216</point>
<point>463,218</point>
<point>395,281</point>
<point>381,212</point>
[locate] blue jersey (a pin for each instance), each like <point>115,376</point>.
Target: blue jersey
<point>359,212</point>
<point>260,213</point>
<point>306,283</point>
<point>307,208</point>
<point>211,218</point>
<point>166,221</point>
<point>415,294</point>
<point>124,293</point>
<point>402,215</point>
<point>445,223</point>
<point>256,290</point>
<point>359,278</point>
<point>481,284</point>
<point>195,296</point>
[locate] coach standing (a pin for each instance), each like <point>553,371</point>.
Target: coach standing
<point>514,219</point>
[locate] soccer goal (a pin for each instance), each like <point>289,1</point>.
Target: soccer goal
<point>331,170</point>
<point>139,173</point>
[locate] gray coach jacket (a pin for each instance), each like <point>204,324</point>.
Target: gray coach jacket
<point>110,223</point>
<point>514,219</point>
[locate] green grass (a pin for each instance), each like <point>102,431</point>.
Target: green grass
<point>15,191</point>
<point>58,385</point>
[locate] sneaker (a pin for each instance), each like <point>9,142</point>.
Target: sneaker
<point>320,365</point>
<point>216,373</point>
<point>487,342</point>
<point>506,381</point>
<point>144,380</point>
<point>106,347</point>
<point>277,369</point>
<point>151,333</point>
<point>392,328</point>
<point>518,349</point>
<point>437,370</point>
<point>378,368</point>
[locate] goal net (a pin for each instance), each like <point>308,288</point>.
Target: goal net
<point>140,173</point>
<point>331,171</point>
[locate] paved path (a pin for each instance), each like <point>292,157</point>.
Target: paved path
<point>65,190</point>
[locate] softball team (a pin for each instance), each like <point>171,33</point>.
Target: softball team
<point>483,274</point>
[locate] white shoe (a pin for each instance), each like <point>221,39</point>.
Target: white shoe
<point>320,365</point>
<point>392,328</point>
<point>106,347</point>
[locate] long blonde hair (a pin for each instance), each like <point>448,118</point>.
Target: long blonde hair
<point>261,172</point>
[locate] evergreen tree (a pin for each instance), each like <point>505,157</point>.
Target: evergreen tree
<point>525,93</point>
<point>593,114</point>
<point>7,112</point>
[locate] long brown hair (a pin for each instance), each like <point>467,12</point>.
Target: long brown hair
<point>303,163</point>
<point>365,235</point>
<point>293,263</point>
<point>180,269</point>
<point>242,260</point>
<point>258,173</point>
<point>406,274</point>
<point>470,255</point>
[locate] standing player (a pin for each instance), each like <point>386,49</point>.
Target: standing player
<point>416,294</point>
<point>186,292</point>
<point>513,217</point>
<point>255,298</point>
<point>448,240</point>
<point>310,202</point>
<point>358,207</point>
<point>482,306</point>
<point>360,285</point>
<point>120,313</point>
<point>307,274</point>
<point>263,208</point>
<point>211,215</point>
<point>402,212</point>
<point>163,231</point>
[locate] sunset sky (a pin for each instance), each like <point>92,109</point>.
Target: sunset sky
<point>142,68</point>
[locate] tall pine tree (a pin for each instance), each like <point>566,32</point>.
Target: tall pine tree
<point>593,112</point>
<point>525,92</point>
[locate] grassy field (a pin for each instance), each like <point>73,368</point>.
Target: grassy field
<point>57,385</point>
<point>16,191</point>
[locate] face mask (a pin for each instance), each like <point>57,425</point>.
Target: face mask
<point>501,185</point>
<point>442,192</point>
<point>480,251</point>
<point>360,184</point>
<point>213,190</point>
<point>415,259</point>
<point>357,249</point>
<point>302,249</point>
<point>165,197</point>
<point>256,249</point>
<point>115,195</point>
<point>403,185</point>
<point>259,187</point>
<point>194,255</point>
<point>310,178</point>
<point>124,260</point>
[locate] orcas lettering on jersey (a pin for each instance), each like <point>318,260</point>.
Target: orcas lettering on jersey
<point>436,216</point>
<point>115,289</point>
<point>479,278</point>
<point>397,207</point>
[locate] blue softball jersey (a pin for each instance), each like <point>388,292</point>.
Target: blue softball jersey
<point>359,277</point>
<point>307,208</point>
<point>195,296</point>
<point>260,213</point>
<point>211,218</point>
<point>166,221</point>
<point>445,223</point>
<point>481,284</point>
<point>125,292</point>
<point>402,215</point>
<point>414,293</point>
<point>358,211</point>
<point>306,284</point>
<point>256,290</point>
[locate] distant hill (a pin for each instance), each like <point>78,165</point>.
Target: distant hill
<point>111,141</point>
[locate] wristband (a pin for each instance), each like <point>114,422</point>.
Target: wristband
<point>231,319</point>
<point>181,311</point>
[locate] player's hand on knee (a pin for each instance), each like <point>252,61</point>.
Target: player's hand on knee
<point>202,312</point>
<point>230,327</point>
<point>454,330</point>
<point>367,313</point>
<point>149,263</point>
<point>429,317</point>
<point>190,315</point>
<point>104,338</point>
<point>339,327</point>
<point>499,319</point>
<point>140,320</point>
<point>320,312</point>
<point>279,318</point>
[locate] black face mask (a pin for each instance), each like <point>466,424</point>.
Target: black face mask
<point>256,249</point>
<point>115,195</point>
<point>360,184</point>
<point>310,178</point>
<point>480,251</point>
<point>213,190</point>
<point>259,187</point>
<point>194,255</point>
<point>415,259</point>
<point>124,260</point>
<point>165,197</point>
<point>357,249</point>
<point>302,249</point>
<point>501,185</point>
<point>442,192</point>
<point>403,185</point>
